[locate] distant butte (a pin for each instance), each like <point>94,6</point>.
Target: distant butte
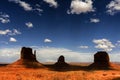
<point>27,59</point>
<point>26,54</point>
<point>61,64</point>
<point>101,61</point>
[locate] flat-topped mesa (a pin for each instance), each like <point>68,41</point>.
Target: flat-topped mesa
<point>27,60</point>
<point>102,57</point>
<point>101,61</point>
<point>61,62</point>
<point>27,54</point>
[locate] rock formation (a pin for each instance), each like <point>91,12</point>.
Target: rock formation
<point>101,61</point>
<point>27,59</point>
<point>27,54</point>
<point>60,64</point>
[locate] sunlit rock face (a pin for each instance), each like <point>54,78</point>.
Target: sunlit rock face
<point>101,61</point>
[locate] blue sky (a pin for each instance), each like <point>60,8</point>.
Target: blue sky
<point>72,26</point>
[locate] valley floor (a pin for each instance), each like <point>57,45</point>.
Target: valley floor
<point>45,74</point>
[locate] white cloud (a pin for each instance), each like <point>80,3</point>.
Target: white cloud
<point>83,47</point>
<point>5,32</point>
<point>12,39</point>
<point>113,7</point>
<point>52,3</point>
<point>24,5</point>
<point>4,18</point>
<point>47,40</point>
<point>103,44</point>
<point>29,24</point>
<point>79,6</point>
<point>94,20</point>
<point>9,32</point>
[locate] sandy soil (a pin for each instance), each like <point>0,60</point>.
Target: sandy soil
<point>7,73</point>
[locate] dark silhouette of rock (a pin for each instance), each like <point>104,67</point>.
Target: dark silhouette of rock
<point>101,58</point>
<point>101,61</point>
<point>27,59</point>
<point>61,64</point>
<point>26,53</point>
<point>61,59</point>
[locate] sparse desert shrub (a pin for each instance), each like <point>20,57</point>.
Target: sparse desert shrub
<point>39,76</point>
<point>104,74</point>
<point>18,77</point>
<point>113,73</point>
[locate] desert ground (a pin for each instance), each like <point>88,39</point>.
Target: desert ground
<point>74,73</point>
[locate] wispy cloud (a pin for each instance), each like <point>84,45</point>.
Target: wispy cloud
<point>79,6</point>
<point>38,9</point>
<point>5,32</point>
<point>4,18</point>
<point>26,6</point>
<point>118,43</point>
<point>52,3</point>
<point>14,32</point>
<point>113,7</point>
<point>12,39</point>
<point>83,47</point>
<point>103,44</point>
<point>94,20</point>
<point>29,24</point>
<point>10,32</point>
<point>47,40</point>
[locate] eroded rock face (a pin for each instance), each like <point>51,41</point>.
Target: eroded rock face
<point>101,61</point>
<point>26,53</point>
<point>61,62</point>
